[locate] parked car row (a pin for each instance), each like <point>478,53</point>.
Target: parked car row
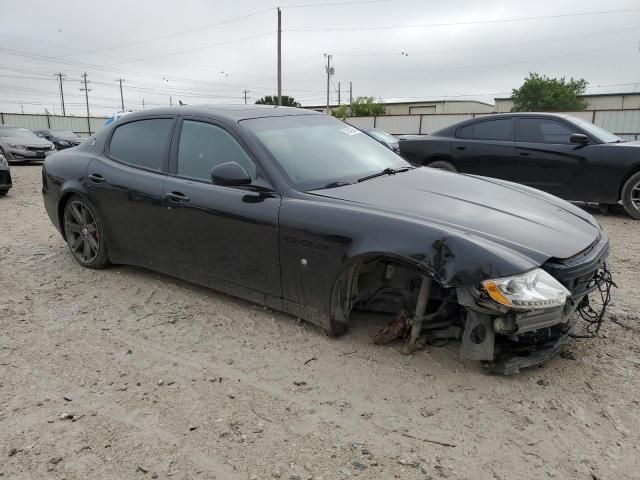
<point>21,144</point>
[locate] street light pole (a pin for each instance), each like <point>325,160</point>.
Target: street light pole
<point>86,97</point>
<point>279,57</point>
<point>329,73</point>
<point>120,80</point>
<point>60,75</point>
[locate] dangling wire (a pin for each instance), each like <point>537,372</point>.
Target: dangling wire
<point>593,317</point>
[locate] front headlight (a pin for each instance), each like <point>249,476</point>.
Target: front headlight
<point>532,290</point>
<point>64,143</point>
<point>3,161</point>
<point>13,145</point>
<point>52,147</point>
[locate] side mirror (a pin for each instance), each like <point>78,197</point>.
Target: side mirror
<point>230,174</point>
<point>579,138</point>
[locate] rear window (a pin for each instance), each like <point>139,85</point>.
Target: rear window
<point>142,143</point>
<point>490,130</point>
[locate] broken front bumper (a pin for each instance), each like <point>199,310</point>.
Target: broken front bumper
<point>508,340</point>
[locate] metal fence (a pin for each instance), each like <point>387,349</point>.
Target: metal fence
<point>78,125</point>
<point>624,123</point>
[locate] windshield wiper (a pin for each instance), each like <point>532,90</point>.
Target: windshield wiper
<point>334,185</point>
<point>386,171</point>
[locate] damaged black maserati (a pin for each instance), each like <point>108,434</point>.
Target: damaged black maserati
<point>305,214</point>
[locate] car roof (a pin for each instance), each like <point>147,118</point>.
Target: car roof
<point>450,129</point>
<point>229,112</point>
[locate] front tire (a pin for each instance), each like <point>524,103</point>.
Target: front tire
<point>83,231</point>
<point>631,196</point>
<point>443,165</point>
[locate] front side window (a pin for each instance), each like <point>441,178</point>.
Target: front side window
<point>542,130</point>
<point>314,151</point>
<point>142,143</point>
<point>204,146</point>
<point>501,130</point>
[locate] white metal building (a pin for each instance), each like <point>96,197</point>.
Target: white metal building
<point>603,101</point>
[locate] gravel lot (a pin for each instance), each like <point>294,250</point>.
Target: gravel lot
<point>124,373</point>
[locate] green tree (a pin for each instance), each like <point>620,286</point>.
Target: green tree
<point>540,93</point>
<point>366,107</point>
<point>287,101</point>
<point>341,112</point>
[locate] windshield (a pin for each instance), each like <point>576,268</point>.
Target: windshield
<point>16,132</point>
<point>382,136</point>
<point>63,134</point>
<point>314,151</point>
<point>598,133</point>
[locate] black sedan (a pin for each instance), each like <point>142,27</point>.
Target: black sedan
<point>300,212</point>
<point>5,176</point>
<point>60,138</point>
<point>560,154</point>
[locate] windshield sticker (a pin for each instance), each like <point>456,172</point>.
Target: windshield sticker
<point>350,131</point>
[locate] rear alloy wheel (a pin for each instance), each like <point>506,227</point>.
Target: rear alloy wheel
<point>631,196</point>
<point>82,231</point>
<point>443,165</point>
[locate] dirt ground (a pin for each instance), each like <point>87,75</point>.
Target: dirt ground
<point>124,373</point>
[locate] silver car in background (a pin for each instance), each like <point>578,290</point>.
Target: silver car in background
<point>20,144</point>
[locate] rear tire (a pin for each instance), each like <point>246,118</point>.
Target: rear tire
<point>84,233</point>
<point>443,165</point>
<point>3,192</point>
<point>631,196</point>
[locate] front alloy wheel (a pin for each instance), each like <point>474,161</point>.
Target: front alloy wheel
<point>81,228</point>
<point>631,196</point>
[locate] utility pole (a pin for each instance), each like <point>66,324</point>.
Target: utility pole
<point>350,93</point>
<point>245,96</point>
<point>21,107</point>
<point>86,97</point>
<point>60,76</point>
<point>120,80</point>
<point>338,93</point>
<point>330,71</point>
<point>171,101</point>
<point>143,103</point>
<point>279,57</point>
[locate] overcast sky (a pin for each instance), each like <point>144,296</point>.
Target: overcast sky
<point>207,52</point>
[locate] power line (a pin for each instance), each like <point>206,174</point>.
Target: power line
<point>171,35</point>
<point>497,46</point>
<point>190,50</point>
<point>452,24</point>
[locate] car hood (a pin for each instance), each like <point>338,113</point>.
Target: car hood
<point>532,223</point>
<point>35,141</point>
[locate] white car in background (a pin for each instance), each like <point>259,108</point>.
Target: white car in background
<point>20,144</point>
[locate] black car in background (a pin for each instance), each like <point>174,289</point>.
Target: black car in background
<point>297,211</point>
<point>384,138</point>
<point>60,138</point>
<point>560,154</point>
<point>5,176</point>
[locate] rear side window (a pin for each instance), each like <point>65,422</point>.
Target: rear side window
<point>490,130</point>
<point>142,143</point>
<point>542,130</point>
<point>204,146</point>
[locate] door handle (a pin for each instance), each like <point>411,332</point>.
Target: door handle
<point>176,197</point>
<point>524,154</point>
<point>461,147</point>
<point>96,178</point>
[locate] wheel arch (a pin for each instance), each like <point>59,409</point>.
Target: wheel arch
<point>630,173</point>
<point>65,195</point>
<point>345,283</point>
